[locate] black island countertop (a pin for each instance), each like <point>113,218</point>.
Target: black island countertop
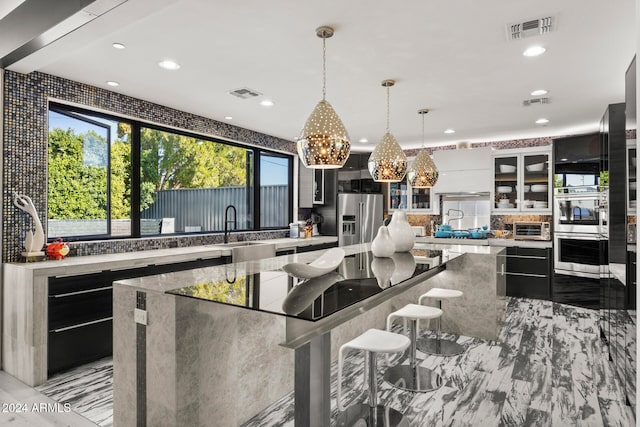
<point>360,276</point>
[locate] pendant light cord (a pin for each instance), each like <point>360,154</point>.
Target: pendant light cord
<point>324,68</point>
<point>387,109</point>
<point>422,130</point>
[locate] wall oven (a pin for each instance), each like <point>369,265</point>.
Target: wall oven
<point>579,254</point>
<point>579,211</point>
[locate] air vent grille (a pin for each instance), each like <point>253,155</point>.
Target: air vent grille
<point>244,93</point>
<point>535,101</point>
<point>534,27</point>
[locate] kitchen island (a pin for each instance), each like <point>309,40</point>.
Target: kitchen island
<point>221,343</point>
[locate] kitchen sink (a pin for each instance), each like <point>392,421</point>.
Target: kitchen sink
<point>240,244</point>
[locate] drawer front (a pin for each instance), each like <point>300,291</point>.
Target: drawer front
<point>536,252</point>
<point>73,347</point>
<point>528,265</point>
<point>301,249</point>
<point>71,309</point>
<point>84,282</point>
<point>528,286</point>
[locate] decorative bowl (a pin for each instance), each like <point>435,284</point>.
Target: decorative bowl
<point>303,295</point>
<point>535,167</point>
<point>327,262</point>
<point>504,189</point>
<point>539,188</point>
<point>507,169</point>
<point>526,188</point>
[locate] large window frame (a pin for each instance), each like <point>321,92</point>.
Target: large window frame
<point>136,127</point>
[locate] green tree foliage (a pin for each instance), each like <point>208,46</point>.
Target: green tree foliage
<point>78,170</point>
<point>172,161</point>
<point>77,189</point>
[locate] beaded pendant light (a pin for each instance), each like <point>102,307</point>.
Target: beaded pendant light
<point>324,142</point>
<point>388,163</point>
<point>422,173</point>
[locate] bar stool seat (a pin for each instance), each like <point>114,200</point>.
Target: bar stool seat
<point>413,377</point>
<point>438,346</point>
<point>372,341</point>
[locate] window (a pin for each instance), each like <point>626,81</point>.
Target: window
<point>89,178</point>
<point>112,178</point>
<point>275,185</point>
<point>190,182</point>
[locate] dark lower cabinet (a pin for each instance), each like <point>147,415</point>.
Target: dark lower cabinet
<point>81,312</point>
<point>529,272</point>
<point>631,280</point>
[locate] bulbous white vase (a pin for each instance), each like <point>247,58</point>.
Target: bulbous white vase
<point>401,232</point>
<point>382,246</point>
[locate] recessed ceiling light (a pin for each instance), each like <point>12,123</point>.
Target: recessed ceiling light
<point>266,103</point>
<point>364,140</point>
<point>111,83</point>
<point>228,117</point>
<point>169,65</point>
<point>449,131</point>
<point>534,51</point>
<point>118,45</point>
<point>542,121</point>
<point>563,160</point>
<point>539,92</point>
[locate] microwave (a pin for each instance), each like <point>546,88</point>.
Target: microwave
<point>531,230</point>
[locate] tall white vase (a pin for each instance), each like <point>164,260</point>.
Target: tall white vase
<point>382,246</point>
<point>401,232</point>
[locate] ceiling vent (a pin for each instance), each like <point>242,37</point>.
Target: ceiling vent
<point>244,93</point>
<point>535,101</point>
<point>534,27</point>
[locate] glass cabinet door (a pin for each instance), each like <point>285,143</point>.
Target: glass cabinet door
<point>420,198</point>
<point>506,182</point>
<point>535,170</point>
<point>398,195</point>
<point>631,177</point>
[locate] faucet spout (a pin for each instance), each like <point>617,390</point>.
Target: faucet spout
<point>226,221</point>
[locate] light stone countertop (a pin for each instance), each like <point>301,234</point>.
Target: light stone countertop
<point>95,263</point>
<point>487,242</point>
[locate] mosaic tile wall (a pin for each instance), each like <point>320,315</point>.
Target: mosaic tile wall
<point>25,100</point>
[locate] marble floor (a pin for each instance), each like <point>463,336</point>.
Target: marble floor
<point>547,368</point>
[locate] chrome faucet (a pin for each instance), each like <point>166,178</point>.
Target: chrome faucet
<point>454,219</point>
<point>226,222</point>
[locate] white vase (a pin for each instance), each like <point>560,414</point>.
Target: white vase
<point>401,232</point>
<point>405,265</point>
<point>382,246</point>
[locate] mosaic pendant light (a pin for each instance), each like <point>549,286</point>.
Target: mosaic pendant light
<point>388,163</point>
<point>324,142</point>
<point>422,173</point>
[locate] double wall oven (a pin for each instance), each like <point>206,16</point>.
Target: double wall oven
<point>580,230</point>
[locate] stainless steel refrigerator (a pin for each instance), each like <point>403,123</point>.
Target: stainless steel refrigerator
<point>359,217</point>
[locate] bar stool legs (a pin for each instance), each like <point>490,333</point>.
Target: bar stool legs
<point>371,414</point>
<point>412,377</point>
<point>439,346</point>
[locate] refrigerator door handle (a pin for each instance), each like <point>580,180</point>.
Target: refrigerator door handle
<point>361,221</point>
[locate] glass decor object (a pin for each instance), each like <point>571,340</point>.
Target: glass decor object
<point>388,163</point>
<point>324,142</point>
<point>423,172</point>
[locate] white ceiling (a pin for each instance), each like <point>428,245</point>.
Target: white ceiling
<point>452,57</point>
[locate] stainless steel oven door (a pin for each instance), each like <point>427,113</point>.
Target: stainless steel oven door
<point>577,254</point>
<point>577,213</point>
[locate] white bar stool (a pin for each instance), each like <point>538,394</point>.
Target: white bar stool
<point>437,346</point>
<point>413,377</point>
<point>372,341</point>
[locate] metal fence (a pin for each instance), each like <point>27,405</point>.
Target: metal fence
<point>203,209</point>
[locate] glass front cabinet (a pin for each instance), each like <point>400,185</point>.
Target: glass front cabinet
<point>402,196</point>
<point>522,181</point>
<point>631,176</point>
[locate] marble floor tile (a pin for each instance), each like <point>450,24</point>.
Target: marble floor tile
<point>548,367</point>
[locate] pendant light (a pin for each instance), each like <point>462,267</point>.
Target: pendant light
<point>324,142</point>
<point>388,163</point>
<point>422,173</point>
